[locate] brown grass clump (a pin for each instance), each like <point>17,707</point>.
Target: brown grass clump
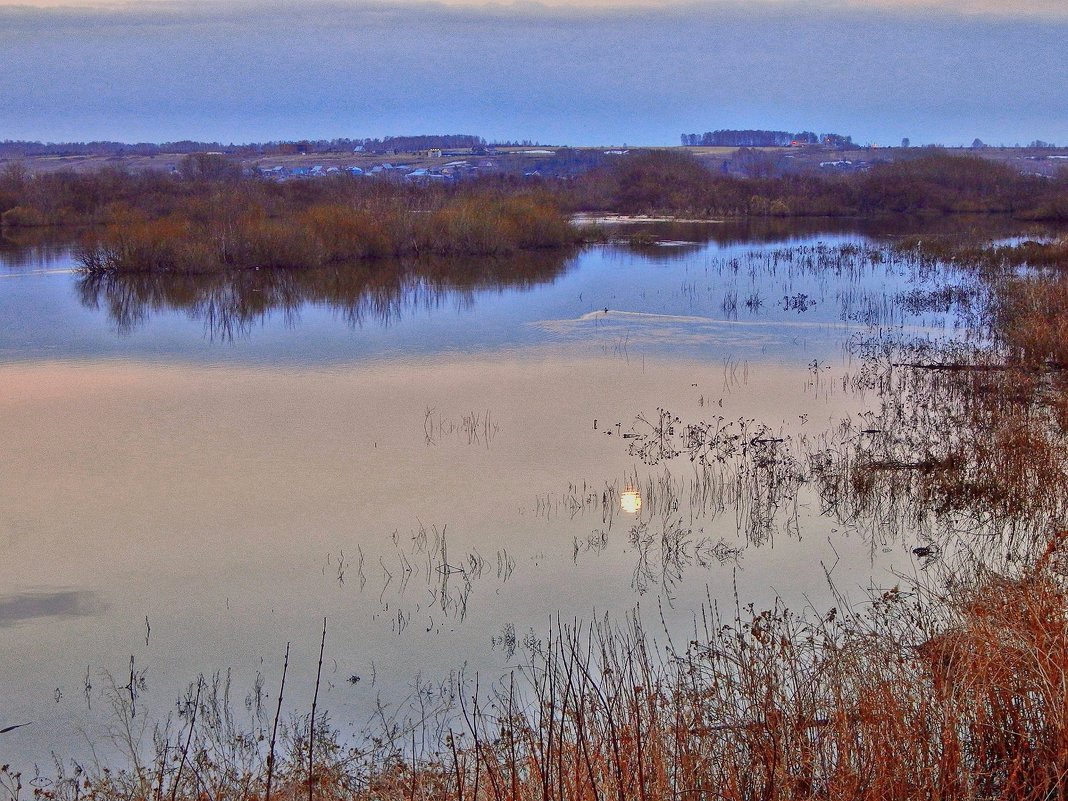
<point>1034,312</point>
<point>495,225</point>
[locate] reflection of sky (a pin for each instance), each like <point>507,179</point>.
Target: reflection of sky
<point>658,301</point>
<point>213,505</point>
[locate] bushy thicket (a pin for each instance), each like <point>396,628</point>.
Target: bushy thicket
<point>672,182</point>
<point>230,230</point>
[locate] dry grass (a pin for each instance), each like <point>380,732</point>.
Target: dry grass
<point>1035,319</point>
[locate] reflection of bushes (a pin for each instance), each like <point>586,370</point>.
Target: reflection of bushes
<point>230,301</point>
<point>960,448</point>
<point>23,217</point>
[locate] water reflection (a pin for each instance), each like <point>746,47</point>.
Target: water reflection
<point>680,240</point>
<point>665,551</point>
<point>788,429</point>
<point>630,500</point>
<point>231,303</point>
<point>35,248</point>
<point>32,604</point>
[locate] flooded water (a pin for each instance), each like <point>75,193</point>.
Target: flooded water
<point>440,459</point>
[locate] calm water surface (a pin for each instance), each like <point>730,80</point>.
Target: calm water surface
<point>440,459</point>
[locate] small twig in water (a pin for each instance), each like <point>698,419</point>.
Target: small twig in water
<point>274,730</point>
<point>188,740</point>
<point>315,701</point>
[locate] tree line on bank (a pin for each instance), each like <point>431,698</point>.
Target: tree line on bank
<point>225,217</point>
<point>672,182</point>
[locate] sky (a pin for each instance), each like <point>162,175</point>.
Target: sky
<point>594,72</point>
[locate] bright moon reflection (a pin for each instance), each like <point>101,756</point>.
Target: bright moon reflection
<point>630,501</point>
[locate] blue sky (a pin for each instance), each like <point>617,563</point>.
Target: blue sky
<point>571,74</point>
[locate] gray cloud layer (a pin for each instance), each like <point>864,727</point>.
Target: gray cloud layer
<point>241,73</point>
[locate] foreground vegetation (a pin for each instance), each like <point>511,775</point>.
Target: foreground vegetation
<point>955,695</point>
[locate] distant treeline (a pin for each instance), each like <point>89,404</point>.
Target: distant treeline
<point>407,144</point>
<point>11,148</point>
<point>15,148</point>
<point>759,138</point>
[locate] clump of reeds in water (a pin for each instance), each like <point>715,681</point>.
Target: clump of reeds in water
<point>959,442</point>
<point>979,432</point>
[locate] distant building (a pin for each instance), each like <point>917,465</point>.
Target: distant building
<point>423,174</point>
